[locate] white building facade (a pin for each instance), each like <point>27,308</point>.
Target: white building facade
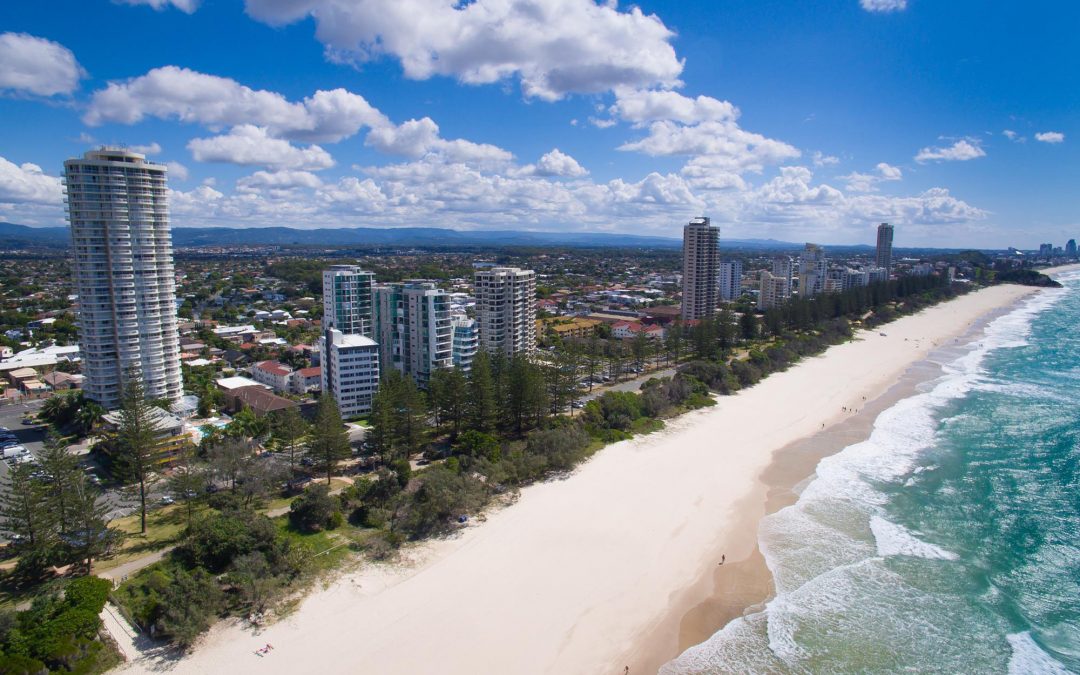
<point>730,280</point>
<point>123,272</point>
<point>506,309</point>
<point>701,267</point>
<point>347,298</point>
<point>350,371</point>
<point>775,290</point>
<point>813,271</point>
<point>412,327</point>
<point>466,342</point>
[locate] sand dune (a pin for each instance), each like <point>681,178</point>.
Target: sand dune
<point>569,578</point>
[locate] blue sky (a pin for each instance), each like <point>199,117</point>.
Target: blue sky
<point>793,120</point>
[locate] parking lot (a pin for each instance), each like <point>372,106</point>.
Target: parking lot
<point>29,437</point>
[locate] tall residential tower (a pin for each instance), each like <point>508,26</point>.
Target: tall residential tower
<point>123,267</point>
<point>701,267</point>
<point>412,327</point>
<point>506,309</point>
<point>884,245</point>
<point>347,299</point>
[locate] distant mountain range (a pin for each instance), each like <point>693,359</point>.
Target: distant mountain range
<point>21,236</point>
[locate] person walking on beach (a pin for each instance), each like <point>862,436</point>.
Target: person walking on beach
<point>723,558</point>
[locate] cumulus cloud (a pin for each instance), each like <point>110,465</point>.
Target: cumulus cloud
<point>555,163</point>
<point>148,149</point>
<point>1050,137</point>
<point>639,106</point>
<point>177,93</point>
<point>27,183</point>
<point>960,151</point>
<point>821,159</point>
<point>867,182</point>
<point>600,123</point>
<point>416,138</point>
<point>1013,136</point>
<point>250,145</point>
<point>177,171</point>
<point>186,6</point>
<point>883,5</point>
<point>554,47</point>
<point>34,65</point>
<point>722,144</point>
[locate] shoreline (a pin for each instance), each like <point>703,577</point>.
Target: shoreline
<point>745,585</point>
<point>573,577</point>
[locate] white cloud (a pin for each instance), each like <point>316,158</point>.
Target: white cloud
<point>417,138</point>
<point>1050,137</point>
<point>554,47</point>
<point>721,144</point>
<point>820,159</point>
<point>889,172</point>
<point>27,183</point>
<point>149,149</point>
<point>250,145</point>
<point>186,6</point>
<point>177,171</point>
<point>959,151</point>
<point>1013,136</point>
<point>217,102</point>
<point>602,123</point>
<point>33,65</point>
<point>555,163</point>
<point>640,106</point>
<point>883,5</point>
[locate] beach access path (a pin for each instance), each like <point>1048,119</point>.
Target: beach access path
<point>570,577</point>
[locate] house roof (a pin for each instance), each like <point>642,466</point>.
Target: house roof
<point>310,372</point>
<point>273,368</point>
<point>260,400</point>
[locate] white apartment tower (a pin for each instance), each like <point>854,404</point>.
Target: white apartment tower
<point>813,271</point>
<point>884,245</point>
<point>701,266</point>
<point>412,326</point>
<point>775,290</point>
<point>117,205</point>
<point>350,371</point>
<point>730,280</point>
<point>466,342</point>
<point>347,299</point>
<point>506,309</point>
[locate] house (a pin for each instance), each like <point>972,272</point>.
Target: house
<point>171,437</point>
<point>258,399</point>
<point>629,329</point>
<point>306,380</point>
<point>578,327</point>
<point>20,375</point>
<point>273,374</point>
<point>60,381</point>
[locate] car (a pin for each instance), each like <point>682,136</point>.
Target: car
<point>29,421</point>
<point>166,500</point>
<point>577,404</point>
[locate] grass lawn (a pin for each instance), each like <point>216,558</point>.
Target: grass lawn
<point>163,528</point>
<point>328,549</point>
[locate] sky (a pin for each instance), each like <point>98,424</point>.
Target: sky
<point>801,121</point>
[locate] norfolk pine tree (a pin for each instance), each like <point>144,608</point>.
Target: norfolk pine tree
<point>328,442</point>
<point>136,440</point>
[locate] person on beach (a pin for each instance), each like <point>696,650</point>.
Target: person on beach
<point>723,558</point>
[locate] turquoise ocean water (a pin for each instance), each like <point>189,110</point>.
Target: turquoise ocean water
<point>949,541</point>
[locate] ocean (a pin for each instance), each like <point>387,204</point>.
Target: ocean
<point>949,541</point>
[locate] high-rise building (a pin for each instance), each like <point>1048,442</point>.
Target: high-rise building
<point>701,266</point>
<point>350,371</point>
<point>775,290</point>
<point>884,245</point>
<point>412,326</point>
<point>347,299</point>
<point>730,280</point>
<point>850,278</point>
<point>506,309</point>
<point>1070,248</point>
<point>466,342</point>
<point>877,275</point>
<point>1046,250</point>
<point>123,271</point>
<point>813,271</point>
<point>784,266</point>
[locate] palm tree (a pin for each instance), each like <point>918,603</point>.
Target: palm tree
<point>88,416</point>
<point>54,407</point>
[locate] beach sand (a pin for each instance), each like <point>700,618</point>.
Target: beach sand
<point>609,567</point>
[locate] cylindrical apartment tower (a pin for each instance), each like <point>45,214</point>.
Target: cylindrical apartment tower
<point>117,205</point>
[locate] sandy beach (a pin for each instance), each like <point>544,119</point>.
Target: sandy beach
<point>607,568</point>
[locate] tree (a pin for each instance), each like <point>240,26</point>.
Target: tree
<point>227,460</point>
<point>24,510</point>
<point>60,470</point>
<point>136,440</point>
<point>748,325</point>
<point>89,536</point>
<point>188,481</point>
<point>328,443</point>
<point>314,510</point>
<point>525,399</point>
<point>482,406</point>
<point>289,429</point>
<point>449,393</point>
<point>188,604</point>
